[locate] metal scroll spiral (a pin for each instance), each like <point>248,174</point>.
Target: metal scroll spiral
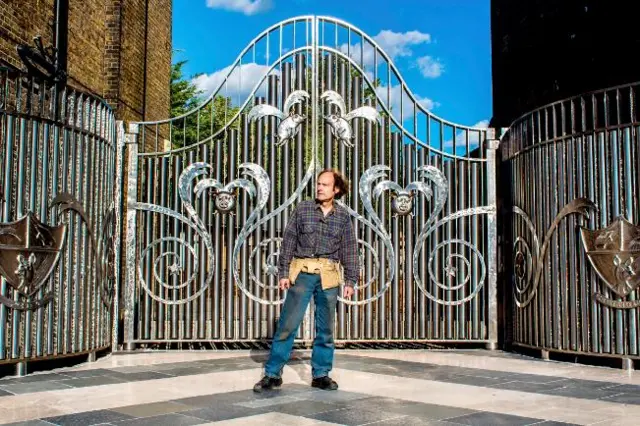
<point>268,249</point>
<point>173,251</point>
<point>528,263</point>
<point>366,191</point>
<point>101,248</point>
<point>456,261</point>
<point>270,259</point>
<point>106,256</point>
<point>369,191</point>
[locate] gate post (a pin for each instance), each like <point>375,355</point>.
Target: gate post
<point>117,241</point>
<point>492,249</point>
<point>130,236</point>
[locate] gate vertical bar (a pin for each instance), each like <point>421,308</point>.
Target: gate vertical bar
<point>314,137</point>
<point>117,264</point>
<point>314,90</point>
<point>271,129</point>
<point>492,243</point>
<point>6,215</point>
<point>130,284</point>
<point>230,312</point>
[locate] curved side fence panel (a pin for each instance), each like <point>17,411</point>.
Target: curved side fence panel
<point>572,243</point>
<point>57,221</point>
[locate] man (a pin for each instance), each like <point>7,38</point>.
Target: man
<point>319,252</point>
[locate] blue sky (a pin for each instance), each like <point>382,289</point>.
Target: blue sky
<point>441,47</point>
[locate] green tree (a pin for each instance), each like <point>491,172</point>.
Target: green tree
<point>199,123</point>
<point>184,94</point>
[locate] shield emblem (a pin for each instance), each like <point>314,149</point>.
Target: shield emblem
<point>614,252</point>
<point>29,251</point>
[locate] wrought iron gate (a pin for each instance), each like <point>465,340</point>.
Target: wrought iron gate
<point>209,194</point>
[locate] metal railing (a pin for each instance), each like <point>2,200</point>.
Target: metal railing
<point>57,221</point>
<point>571,183</point>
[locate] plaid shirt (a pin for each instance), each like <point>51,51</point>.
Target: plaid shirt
<point>310,234</point>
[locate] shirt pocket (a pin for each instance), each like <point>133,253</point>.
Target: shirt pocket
<point>332,236</point>
<point>307,235</point>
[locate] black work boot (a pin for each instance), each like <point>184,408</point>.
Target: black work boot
<point>324,383</point>
<point>267,383</point>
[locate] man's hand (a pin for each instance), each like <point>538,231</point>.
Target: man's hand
<point>284,283</point>
<point>347,292</point>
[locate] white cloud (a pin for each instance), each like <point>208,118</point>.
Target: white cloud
<point>248,7</point>
<point>427,103</point>
<point>474,137</point>
<point>391,98</point>
<point>239,84</point>
<point>394,44</point>
<point>398,44</point>
<point>243,79</point>
<point>482,124</point>
<point>430,67</point>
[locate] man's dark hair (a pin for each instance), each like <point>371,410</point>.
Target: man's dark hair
<point>339,181</point>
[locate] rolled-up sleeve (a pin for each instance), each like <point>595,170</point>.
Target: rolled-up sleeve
<point>349,254</point>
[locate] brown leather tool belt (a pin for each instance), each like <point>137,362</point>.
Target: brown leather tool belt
<point>331,272</point>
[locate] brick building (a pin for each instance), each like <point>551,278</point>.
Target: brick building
<point>117,49</point>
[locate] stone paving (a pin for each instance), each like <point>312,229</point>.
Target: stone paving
<point>377,387</point>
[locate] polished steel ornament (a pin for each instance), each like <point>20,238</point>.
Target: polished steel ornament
<point>339,123</point>
<point>269,265</point>
<point>176,250</point>
<point>402,198</point>
<point>106,256</point>
<point>528,264</point>
<point>289,121</point>
<point>224,195</point>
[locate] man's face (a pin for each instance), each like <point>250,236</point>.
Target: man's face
<point>325,188</point>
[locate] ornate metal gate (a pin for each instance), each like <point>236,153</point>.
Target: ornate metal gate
<point>209,194</point>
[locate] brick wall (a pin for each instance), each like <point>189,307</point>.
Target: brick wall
<point>86,45</point>
<point>118,49</point>
<point>132,60</point>
<point>20,21</point>
<point>112,46</point>
<point>159,59</point>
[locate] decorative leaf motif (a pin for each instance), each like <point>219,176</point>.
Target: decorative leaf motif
<point>403,197</point>
<point>263,110</point>
<point>205,184</point>
<point>418,186</point>
<point>334,98</point>
<point>366,112</point>
<point>295,97</point>
<point>241,184</point>
<point>386,185</point>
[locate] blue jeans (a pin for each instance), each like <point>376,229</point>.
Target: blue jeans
<point>295,305</point>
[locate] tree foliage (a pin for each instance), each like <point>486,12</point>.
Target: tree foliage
<point>199,124</point>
